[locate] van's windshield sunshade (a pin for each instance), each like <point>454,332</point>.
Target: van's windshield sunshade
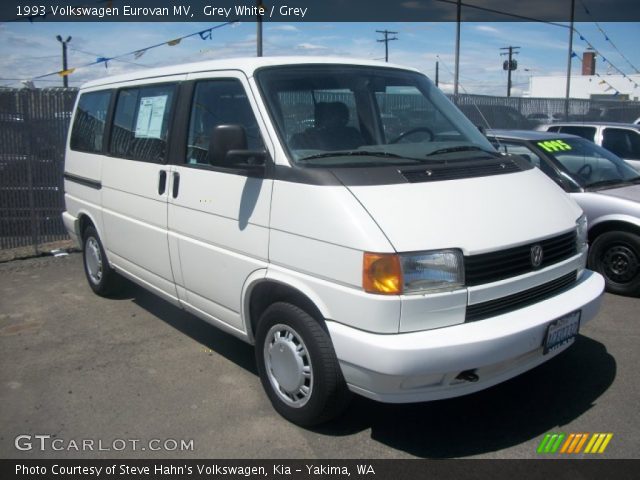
<point>342,116</point>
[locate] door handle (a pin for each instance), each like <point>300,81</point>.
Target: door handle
<point>162,182</point>
<point>176,184</point>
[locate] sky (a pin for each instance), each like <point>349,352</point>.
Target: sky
<point>28,50</point>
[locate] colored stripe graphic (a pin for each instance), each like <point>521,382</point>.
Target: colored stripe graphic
<point>551,442</point>
<point>598,442</point>
<point>543,443</point>
<point>556,445</point>
<point>567,443</point>
<point>574,443</point>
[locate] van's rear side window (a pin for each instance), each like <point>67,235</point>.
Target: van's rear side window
<point>88,126</point>
<point>141,123</point>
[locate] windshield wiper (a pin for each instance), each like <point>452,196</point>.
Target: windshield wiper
<point>357,153</point>
<point>462,148</point>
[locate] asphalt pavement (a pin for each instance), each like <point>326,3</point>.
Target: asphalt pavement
<point>135,377</point>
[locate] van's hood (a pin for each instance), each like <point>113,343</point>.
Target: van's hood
<point>476,214</point>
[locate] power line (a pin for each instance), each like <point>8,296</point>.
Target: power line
<point>500,12</point>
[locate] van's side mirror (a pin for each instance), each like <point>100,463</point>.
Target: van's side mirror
<point>228,148</point>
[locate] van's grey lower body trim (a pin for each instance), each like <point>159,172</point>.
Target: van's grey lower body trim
<point>87,182</point>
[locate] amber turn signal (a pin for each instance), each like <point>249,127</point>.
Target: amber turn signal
<point>381,273</point>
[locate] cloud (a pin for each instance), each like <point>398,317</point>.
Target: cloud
<point>310,46</point>
<point>487,29</point>
<point>285,28</point>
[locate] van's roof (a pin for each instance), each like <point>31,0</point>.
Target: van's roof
<point>247,65</point>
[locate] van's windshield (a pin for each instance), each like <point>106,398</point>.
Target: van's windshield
<point>343,116</point>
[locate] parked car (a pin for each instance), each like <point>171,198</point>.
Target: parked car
<point>623,139</point>
<point>496,116</point>
<point>404,267</point>
<point>542,118</point>
<point>607,189</point>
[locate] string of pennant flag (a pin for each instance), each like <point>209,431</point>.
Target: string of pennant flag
<point>606,37</point>
<point>206,34</point>
<point>603,81</point>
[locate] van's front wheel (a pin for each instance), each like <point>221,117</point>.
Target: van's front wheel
<point>101,277</point>
<point>298,367</point>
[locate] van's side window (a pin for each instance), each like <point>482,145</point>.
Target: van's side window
<point>219,102</point>
<point>141,123</point>
<point>88,125</point>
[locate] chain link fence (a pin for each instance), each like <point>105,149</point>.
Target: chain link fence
<point>34,125</point>
<point>33,129</point>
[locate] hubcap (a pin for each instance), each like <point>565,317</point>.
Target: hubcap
<point>93,260</point>
<point>288,365</point>
<point>620,263</point>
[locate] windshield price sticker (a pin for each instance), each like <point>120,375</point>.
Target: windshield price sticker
<point>554,145</point>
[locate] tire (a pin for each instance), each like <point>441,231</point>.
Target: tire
<point>102,279</point>
<point>298,367</point>
<point>616,255</point>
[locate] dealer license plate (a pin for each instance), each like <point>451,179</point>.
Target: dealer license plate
<point>562,331</point>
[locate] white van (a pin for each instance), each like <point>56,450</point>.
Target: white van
<point>341,215</point>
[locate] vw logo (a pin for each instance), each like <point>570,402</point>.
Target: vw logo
<point>536,256</point>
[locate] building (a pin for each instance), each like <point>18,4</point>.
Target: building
<point>588,85</point>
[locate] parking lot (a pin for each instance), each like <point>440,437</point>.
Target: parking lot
<point>76,366</point>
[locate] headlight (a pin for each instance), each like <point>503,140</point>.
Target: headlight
<point>419,272</point>
<point>582,238</point>
<point>581,233</point>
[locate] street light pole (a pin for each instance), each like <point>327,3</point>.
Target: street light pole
<point>65,80</point>
<point>259,28</point>
<point>456,73</point>
<point>569,57</point>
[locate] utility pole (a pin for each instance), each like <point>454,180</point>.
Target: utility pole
<point>510,65</point>
<point>386,41</point>
<point>259,28</point>
<point>456,73</point>
<point>65,80</point>
<point>437,72</point>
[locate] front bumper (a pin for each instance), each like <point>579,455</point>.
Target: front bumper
<point>422,366</point>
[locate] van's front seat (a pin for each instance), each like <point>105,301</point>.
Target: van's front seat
<point>330,131</point>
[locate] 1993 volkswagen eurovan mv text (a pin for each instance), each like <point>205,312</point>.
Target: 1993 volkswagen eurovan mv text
<point>341,215</point>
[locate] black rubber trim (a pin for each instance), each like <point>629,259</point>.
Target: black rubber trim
<point>308,176</point>
<point>87,182</point>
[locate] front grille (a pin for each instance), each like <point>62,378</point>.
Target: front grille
<point>518,300</point>
<point>494,266</point>
<point>456,171</point>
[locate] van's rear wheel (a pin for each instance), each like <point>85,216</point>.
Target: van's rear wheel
<point>102,279</point>
<point>298,367</point>
<point>616,255</point>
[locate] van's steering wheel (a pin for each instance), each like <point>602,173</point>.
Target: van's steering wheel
<point>585,171</point>
<point>412,132</point>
